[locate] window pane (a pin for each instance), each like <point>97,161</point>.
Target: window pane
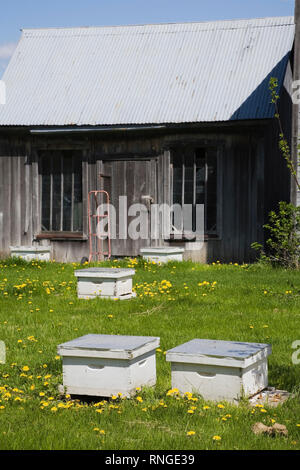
<point>56,200</point>
<point>211,191</point>
<point>200,176</point>
<point>46,193</point>
<point>177,179</point>
<point>77,203</point>
<point>189,179</point>
<point>67,196</point>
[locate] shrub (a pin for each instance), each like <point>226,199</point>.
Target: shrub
<point>282,246</point>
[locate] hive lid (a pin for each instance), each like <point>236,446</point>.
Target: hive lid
<point>162,250</point>
<point>109,346</point>
<point>223,353</point>
<point>39,249</point>
<point>114,273</point>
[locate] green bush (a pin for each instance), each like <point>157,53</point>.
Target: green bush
<point>282,246</point>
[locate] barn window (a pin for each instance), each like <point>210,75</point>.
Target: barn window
<point>61,191</point>
<point>195,182</point>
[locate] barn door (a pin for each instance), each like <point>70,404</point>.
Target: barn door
<point>131,182</point>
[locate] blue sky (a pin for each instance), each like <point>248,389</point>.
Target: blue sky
<point>18,14</point>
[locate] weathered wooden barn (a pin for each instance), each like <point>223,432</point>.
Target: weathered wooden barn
<point>180,113</point>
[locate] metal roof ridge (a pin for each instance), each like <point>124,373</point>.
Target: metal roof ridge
<point>289,19</point>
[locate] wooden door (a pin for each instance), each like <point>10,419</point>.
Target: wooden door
<point>130,182</point>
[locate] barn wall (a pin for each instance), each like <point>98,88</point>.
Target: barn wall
<point>242,195</point>
<point>242,210</point>
<point>15,194</point>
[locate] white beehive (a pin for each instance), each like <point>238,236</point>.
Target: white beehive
<point>219,370</point>
<point>29,253</point>
<point>162,254</point>
<point>110,283</point>
<point>105,365</point>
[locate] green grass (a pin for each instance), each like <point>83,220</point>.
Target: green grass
<point>39,309</point>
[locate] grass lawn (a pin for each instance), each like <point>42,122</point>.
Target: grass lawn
<point>39,309</point>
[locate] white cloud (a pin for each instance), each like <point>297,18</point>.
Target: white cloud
<point>7,49</point>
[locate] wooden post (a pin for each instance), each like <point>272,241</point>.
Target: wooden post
<point>296,118</point>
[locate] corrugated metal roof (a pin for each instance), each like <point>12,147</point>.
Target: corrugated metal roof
<point>146,74</point>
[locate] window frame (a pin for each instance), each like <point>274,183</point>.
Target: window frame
<point>187,151</point>
<point>60,234</point>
